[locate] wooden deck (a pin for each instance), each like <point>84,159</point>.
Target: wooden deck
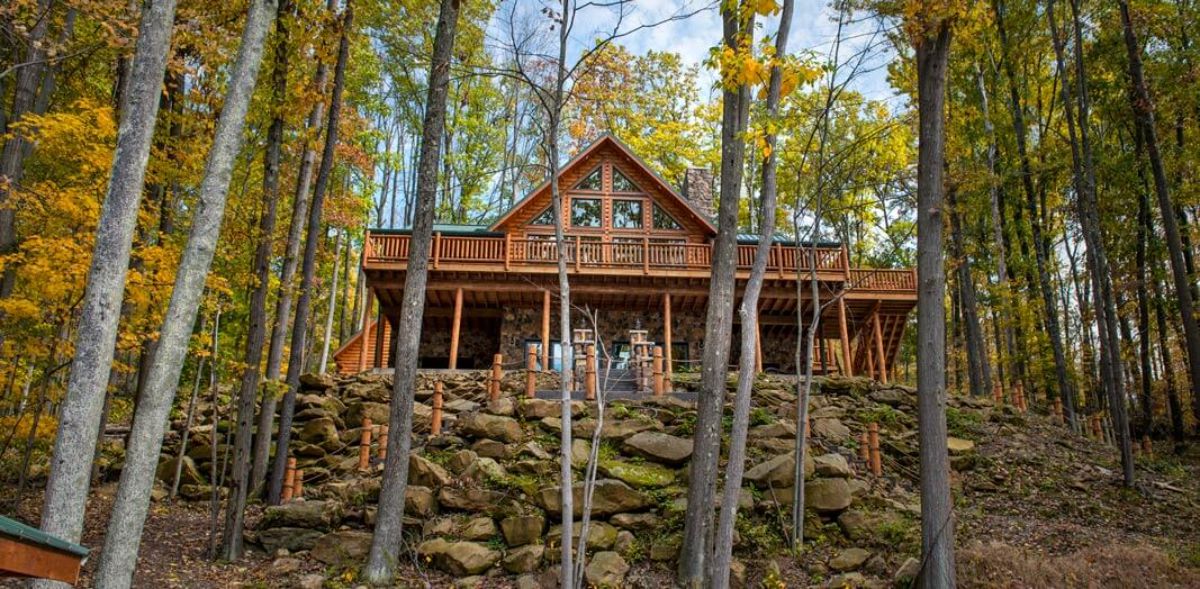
<point>386,251</point>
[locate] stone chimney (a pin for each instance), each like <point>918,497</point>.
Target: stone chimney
<point>698,189</point>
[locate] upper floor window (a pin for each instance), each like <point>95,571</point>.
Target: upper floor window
<point>591,181</point>
<point>664,221</point>
<point>545,218</point>
<point>585,212</point>
<point>621,183</point>
<point>626,214</point>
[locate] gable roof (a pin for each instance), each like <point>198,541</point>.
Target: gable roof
<point>608,139</point>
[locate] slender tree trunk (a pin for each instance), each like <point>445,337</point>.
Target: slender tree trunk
<point>937,515</point>
<point>119,557</point>
<point>79,416</point>
<point>697,531</point>
<point>978,368</point>
<point>723,545</point>
<point>385,544</point>
<point>1041,254</point>
<point>1143,108</point>
<point>1164,349</point>
<point>1143,304</point>
<point>311,242</point>
<point>231,539</point>
<point>333,286</point>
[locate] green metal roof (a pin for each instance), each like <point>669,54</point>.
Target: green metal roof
<point>445,229</point>
<point>752,239</point>
<point>29,534</point>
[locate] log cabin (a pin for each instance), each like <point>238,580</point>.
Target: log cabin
<point>639,255</point>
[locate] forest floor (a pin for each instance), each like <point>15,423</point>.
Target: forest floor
<point>1038,507</point>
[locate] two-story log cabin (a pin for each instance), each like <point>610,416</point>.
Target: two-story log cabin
<point>640,253</point>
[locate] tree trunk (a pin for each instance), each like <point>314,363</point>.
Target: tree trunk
<point>1041,254</point>
<point>119,556</point>
<point>287,279</point>
<point>723,545</point>
<point>1164,349</point>
<point>385,544</point>
<point>79,416</point>
<point>333,285</point>
<point>1143,108</point>
<point>979,371</point>
<point>311,242</point>
<point>231,539</point>
<point>937,516</point>
<point>718,325</point>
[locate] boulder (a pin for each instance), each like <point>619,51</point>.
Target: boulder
<point>315,515</point>
<point>859,525</point>
<point>458,558</point>
<point>959,446</point>
<point>188,475</point>
<point>485,469</point>
<point>606,569</point>
<point>291,539</point>
<point>426,473</point>
<point>779,429</point>
<point>601,536</point>
<point>533,450</point>
<point>321,432</point>
<point>495,427</point>
<point>461,460</point>
<point>502,406</point>
<point>830,429</point>
<point>637,475</point>
<point>659,447</point>
<point>524,559</point>
<point>827,495</point>
<point>892,397</point>
<point>637,522</point>
<point>520,530</point>
<point>442,526</point>
<point>532,409</point>
<point>489,448</point>
<point>475,500</point>
<point>609,497</point>
<point>850,559</point>
<point>779,471</point>
<point>316,382</point>
<point>420,502</point>
<point>581,452</point>
<point>625,542</point>
<point>616,429</point>
<point>342,548</point>
<point>907,573</point>
<point>833,465</point>
<point>479,528</point>
<point>378,413</point>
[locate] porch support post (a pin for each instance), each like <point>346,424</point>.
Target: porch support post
<point>546,330</point>
<point>881,358</point>
<point>666,313</point>
<point>455,328</point>
<point>847,359</point>
<point>366,333</point>
<point>758,355</point>
<point>381,333</point>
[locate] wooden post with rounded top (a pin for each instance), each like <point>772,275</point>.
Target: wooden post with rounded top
<point>589,377</point>
<point>880,358</point>
<point>864,447</point>
<point>658,371</point>
<point>494,384</point>
<point>289,480</point>
<point>364,445</point>
<point>383,444</point>
<point>876,459</point>
<point>435,422</point>
<point>531,374</point>
<point>298,485</point>
<point>667,351</point>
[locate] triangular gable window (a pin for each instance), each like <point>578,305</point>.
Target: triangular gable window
<point>623,184</point>
<point>591,182</point>
<point>546,218</point>
<point>664,221</point>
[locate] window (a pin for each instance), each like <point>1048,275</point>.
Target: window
<point>627,214</point>
<point>555,353</point>
<point>664,221</point>
<point>545,218</point>
<point>622,184</point>
<point>591,182</point>
<point>585,212</point>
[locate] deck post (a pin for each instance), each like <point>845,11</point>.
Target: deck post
<point>645,255</point>
<point>758,355</point>
<point>847,359</point>
<point>494,386</point>
<point>658,371</point>
<point>879,354</point>
<point>381,333</point>
<point>546,330</point>
<point>364,444</point>
<point>531,374</point>
<point>590,373</point>
<point>437,249</point>
<point>455,327</point>
<point>435,418</point>
<point>871,368</point>
<point>366,333</point>
<point>507,249</point>
<point>667,352</point>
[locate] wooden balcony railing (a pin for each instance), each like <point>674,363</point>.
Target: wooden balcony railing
<point>645,254</point>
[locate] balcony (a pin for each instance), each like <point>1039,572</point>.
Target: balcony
<point>649,256</point>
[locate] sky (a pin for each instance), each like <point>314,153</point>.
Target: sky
<point>814,28</point>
